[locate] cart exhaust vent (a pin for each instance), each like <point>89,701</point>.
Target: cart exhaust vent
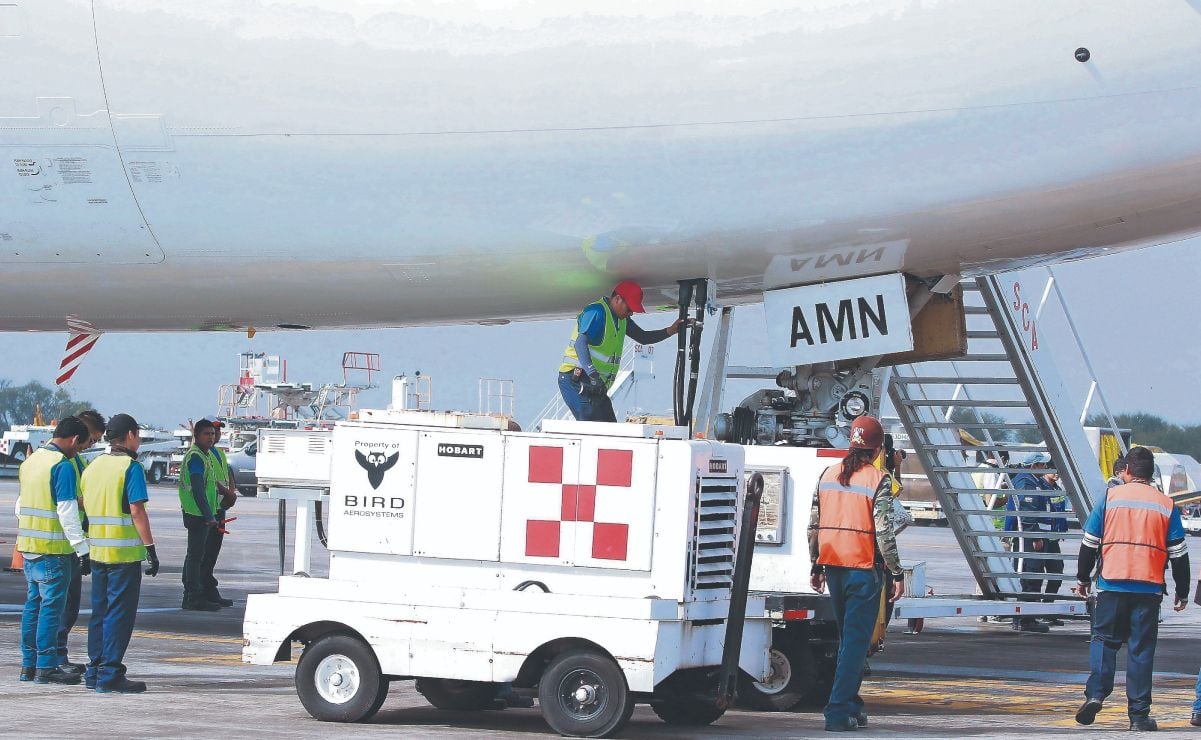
<point>274,444</point>
<point>714,536</point>
<point>317,444</point>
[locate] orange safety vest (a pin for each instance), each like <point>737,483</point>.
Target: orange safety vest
<point>1134,542</point>
<point>846,529</point>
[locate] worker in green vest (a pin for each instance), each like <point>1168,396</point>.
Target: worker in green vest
<point>593,356</point>
<point>95,424</point>
<point>227,493</point>
<point>49,536</point>
<point>200,500</point>
<point>115,495</point>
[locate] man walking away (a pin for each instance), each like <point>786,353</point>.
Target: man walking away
<point>49,536</point>
<point>851,543</point>
<point>198,499</point>
<point>95,424</point>
<point>114,492</point>
<point>1132,532</point>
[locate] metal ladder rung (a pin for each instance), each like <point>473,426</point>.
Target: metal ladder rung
<point>973,424</point>
<point>965,491</point>
<point>982,334</point>
<point>967,403</point>
<point>983,357</point>
<point>976,310</point>
<point>1027,535</point>
<point>1005,512</point>
<point>948,380</point>
<point>1029,556</point>
<point>975,469</point>
<point>989,447</point>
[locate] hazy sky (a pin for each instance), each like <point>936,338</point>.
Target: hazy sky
<point>1139,314</point>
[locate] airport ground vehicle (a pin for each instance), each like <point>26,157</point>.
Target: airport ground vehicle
<point>596,565</point>
<point>241,464</point>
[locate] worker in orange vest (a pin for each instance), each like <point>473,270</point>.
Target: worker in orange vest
<point>851,544</point>
<point>1133,532</point>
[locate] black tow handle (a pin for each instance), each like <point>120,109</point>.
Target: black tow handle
<point>736,619</point>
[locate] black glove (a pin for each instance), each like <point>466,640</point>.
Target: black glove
<point>152,560</point>
<point>596,386</point>
<point>85,565</point>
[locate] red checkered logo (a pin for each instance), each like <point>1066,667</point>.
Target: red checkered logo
<point>614,468</point>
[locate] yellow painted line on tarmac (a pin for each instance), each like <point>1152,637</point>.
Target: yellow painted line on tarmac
<point>183,636</point>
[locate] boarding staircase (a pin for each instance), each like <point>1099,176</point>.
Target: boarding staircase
<point>1004,389</point>
<point>636,365</point>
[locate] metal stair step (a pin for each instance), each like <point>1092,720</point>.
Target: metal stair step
<point>977,469</point>
<point>1027,535</point>
<point>948,380</point>
<point>976,310</point>
<point>983,357</point>
<point>968,491</point>
<point>1004,512</point>
<point>981,424</point>
<point>983,334</point>
<point>968,403</point>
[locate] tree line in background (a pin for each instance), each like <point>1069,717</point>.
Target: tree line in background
<point>19,403</point>
<point>1146,429</point>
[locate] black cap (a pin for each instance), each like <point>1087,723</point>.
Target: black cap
<point>119,426</point>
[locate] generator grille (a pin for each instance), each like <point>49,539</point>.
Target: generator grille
<point>715,535</point>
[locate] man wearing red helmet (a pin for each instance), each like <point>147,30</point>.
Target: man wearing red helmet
<point>593,356</point>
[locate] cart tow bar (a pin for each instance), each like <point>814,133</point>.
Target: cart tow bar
<point>736,619</point>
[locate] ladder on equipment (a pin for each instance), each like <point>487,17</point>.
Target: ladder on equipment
<point>1002,391</point>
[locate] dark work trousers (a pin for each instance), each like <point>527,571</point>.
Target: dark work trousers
<point>584,407</point>
<point>1124,618</point>
<point>213,551</point>
<point>115,592</point>
<point>855,598</point>
<point>203,546</point>
<point>1053,566</point>
<point>70,612</point>
<point>1031,565</point>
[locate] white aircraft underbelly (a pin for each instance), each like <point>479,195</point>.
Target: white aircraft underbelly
<point>172,165</point>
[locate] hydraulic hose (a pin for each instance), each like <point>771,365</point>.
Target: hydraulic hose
<point>700,294</point>
<point>678,389</point>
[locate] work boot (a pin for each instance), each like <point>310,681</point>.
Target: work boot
<point>1088,712</point>
<point>123,686</point>
<point>1143,724</point>
<point>848,724</point>
<point>28,671</point>
<point>89,682</point>
<point>54,675</point>
<point>69,667</point>
<point>199,605</point>
<point>1195,720</point>
<point>861,719</point>
<point>1029,625</point>
<point>219,601</point>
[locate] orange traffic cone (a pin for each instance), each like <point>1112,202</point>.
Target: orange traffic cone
<point>18,562</point>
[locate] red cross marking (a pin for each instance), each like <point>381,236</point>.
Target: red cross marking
<point>578,503</point>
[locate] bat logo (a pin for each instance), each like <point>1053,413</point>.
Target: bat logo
<point>376,464</point>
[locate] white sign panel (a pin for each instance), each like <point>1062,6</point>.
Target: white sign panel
<point>838,321</point>
<point>372,494</point>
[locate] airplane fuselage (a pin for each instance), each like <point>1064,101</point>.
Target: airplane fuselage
<point>174,165</point>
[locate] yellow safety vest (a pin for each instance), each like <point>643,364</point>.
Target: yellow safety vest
<point>186,501</point>
<point>112,534</point>
<point>606,356</point>
<point>39,531</point>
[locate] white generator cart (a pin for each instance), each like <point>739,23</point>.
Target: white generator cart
<point>590,565</point>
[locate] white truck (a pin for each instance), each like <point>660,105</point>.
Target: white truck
<point>590,565</point>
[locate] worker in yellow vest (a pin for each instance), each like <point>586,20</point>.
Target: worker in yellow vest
<point>49,536</point>
<point>593,356</point>
<point>227,497</point>
<point>95,424</point>
<point>851,544</point>
<point>114,493</point>
<point>1130,535</point>
<point>199,500</point>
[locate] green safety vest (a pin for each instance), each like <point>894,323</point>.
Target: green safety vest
<point>220,465</point>
<point>111,533</point>
<point>39,531</point>
<point>186,501</point>
<point>606,356</point>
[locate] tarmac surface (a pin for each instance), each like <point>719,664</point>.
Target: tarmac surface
<point>957,678</point>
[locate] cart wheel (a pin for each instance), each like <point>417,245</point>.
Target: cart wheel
<point>158,471</point>
<point>791,676</point>
<point>338,679</point>
<point>448,693</point>
<point>688,712</point>
<point>584,694</point>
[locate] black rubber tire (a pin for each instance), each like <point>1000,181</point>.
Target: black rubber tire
<point>372,688</point>
<point>248,491</point>
<point>616,702</point>
<point>792,656</point>
<point>158,472</point>
<point>688,712</point>
<point>447,693</point>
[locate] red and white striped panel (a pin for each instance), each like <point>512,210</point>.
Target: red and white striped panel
<point>82,338</point>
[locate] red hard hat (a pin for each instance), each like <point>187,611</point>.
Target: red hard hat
<point>866,434</point>
<point>631,293</point>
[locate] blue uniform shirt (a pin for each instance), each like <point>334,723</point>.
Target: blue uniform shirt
<point>63,484</point>
<point>1096,527</point>
<point>1034,504</point>
<point>592,324</point>
<point>135,484</point>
